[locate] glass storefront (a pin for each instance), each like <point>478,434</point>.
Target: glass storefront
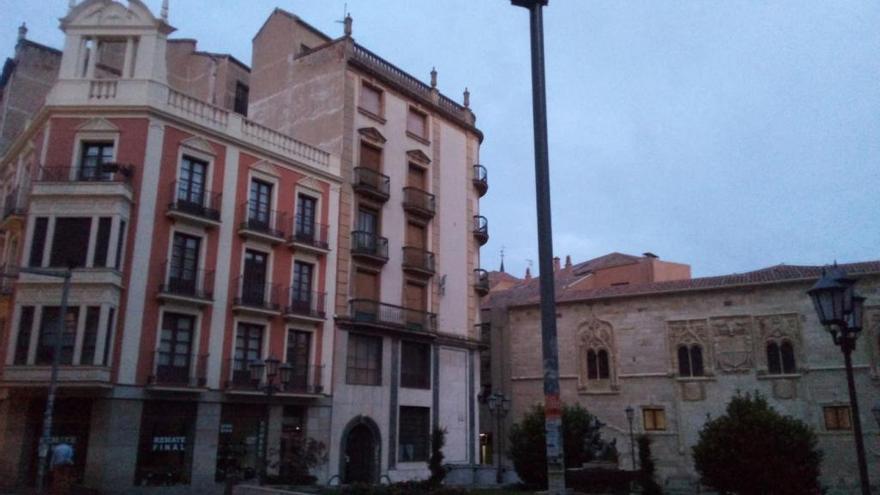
<point>238,446</point>
<point>71,420</point>
<point>166,443</point>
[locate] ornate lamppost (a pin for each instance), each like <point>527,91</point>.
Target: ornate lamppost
<point>630,413</point>
<point>271,368</point>
<point>499,406</point>
<point>840,312</point>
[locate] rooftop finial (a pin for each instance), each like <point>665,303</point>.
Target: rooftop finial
<point>467,98</point>
<point>348,21</point>
<point>164,12</point>
<point>502,260</point>
<point>433,77</point>
<point>22,32</point>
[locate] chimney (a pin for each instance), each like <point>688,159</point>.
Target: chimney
<point>568,261</point>
<point>22,32</point>
<point>528,273</point>
<point>555,264</point>
<point>650,255</point>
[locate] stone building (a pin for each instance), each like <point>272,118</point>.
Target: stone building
<point>635,331</point>
<point>215,215</point>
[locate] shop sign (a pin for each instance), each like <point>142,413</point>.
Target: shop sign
<point>169,444</point>
<point>226,428</point>
<point>68,440</point>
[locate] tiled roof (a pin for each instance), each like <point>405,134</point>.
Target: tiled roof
<point>607,261</point>
<point>527,294</point>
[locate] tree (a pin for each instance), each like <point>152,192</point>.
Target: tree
<point>528,448</point>
<point>646,467</point>
<point>435,463</point>
<point>754,450</point>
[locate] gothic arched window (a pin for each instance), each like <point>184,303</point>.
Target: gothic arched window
<point>690,360</point>
<point>780,358</point>
<point>598,367</point>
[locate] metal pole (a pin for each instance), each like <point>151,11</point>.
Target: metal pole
<point>498,444</point>
<point>264,451</point>
<point>552,404</point>
<point>847,348</point>
<point>46,436</point>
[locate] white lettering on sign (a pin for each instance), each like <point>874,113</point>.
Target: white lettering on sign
<point>169,444</point>
<point>552,428</point>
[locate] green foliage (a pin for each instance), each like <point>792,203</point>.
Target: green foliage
<point>527,442</point>
<point>754,450</point>
<point>435,463</point>
<point>646,467</point>
<point>302,454</point>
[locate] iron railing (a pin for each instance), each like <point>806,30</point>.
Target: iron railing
<point>481,179</point>
<point>481,228</point>
<point>180,281</point>
<point>105,172</point>
<point>369,311</point>
<point>181,370</point>
<point>310,233</point>
<point>268,222</point>
<point>371,182</point>
<point>369,244</point>
<point>419,201</point>
<point>304,303</point>
<point>481,280</point>
<point>201,203</point>
<point>418,259</point>
<point>305,379</point>
<point>257,295</point>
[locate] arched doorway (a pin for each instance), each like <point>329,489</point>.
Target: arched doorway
<point>360,451</point>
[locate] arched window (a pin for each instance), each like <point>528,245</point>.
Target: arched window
<point>788,362</point>
<point>774,360</point>
<point>598,365</point>
<point>690,360</point>
<point>780,358</point>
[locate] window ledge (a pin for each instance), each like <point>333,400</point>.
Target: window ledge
<point>418,138</point>
<point>787,376</point>
<point>586,391</point>
<point>371,115</point>
<point>683,379</point>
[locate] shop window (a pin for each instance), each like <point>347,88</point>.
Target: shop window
<point>239,442</point>
<point>166,444</point>
<point>415,365</point>
<point>70,243</point>
<point>690,361</point>
<point>837,418</point>
<point>654,419</point>
<point>364,360</point>
<point>48,329</point>
<point>414,432</point>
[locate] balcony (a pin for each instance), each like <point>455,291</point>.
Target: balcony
<point>178,371</point>
<point>306,380</point>
<point>371,184</point>
<point>31,375</point>
<point>364,312</point>
<point>310,237</point>
<point>256,298</point>
<point>186,286</point>
<point>13,211</point>
<point>418,261</point>
<point>418,202</point>
<point>481,229</point>
<point>369,247</point>
<point>481,281</point>
<point>110,179</point>
<point>481,180</point>
<point>198,207</point>
<point>262,225</point>
<point>306,306</point>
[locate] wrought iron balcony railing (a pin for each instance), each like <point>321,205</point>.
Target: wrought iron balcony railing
<point>481,179</point>
<point>418,202</point>
<point>179,369</point>
<point>257,295</point>
<point>180,281</point>
<point>304,303</point>
<point>371,183</point>
<point>481,229</point>
<point>195,201</point>
<point>375,312</point>
<point>262,221</point>
<point>310,234</point>
<point>106,172</point>
<point>370,245</point>
<point>418,260</point>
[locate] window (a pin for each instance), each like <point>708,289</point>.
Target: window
<point>191,184</point>
<point>184,265</point>
<point>690,361</point>
<point>415,365</point>
<point>70,243</point>
<point>371,158</point>
<point>175,348</point>
<point>417,177</point>
<point>167,437</point>
<point>598,366</point>
<point>92,160</point>
<point>48,330</point>
<point>23,344</point>
<point>90,336</point>
<point>299,346</point>
<point>366,285</point>
<point>364,360</point>
<point>108,339</point>
<point>414,433</point>
<point>38,241</point>
<point>417,124</point>
<point>119,243</point>
<point>305,216</point>
<point>248,347</point>
<point>371,99</point>
<point>253,287</point>
<point>780,358</point>
<point>654,418</point>
<point>260,204</point>
<point>102,244</point>
<point>242,92</point>
<point>837,418</point>
<point>301,292</point>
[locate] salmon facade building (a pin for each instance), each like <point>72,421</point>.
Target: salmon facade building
<point>320,207</point>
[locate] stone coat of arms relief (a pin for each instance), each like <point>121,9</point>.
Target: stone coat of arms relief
<point>732,337</point>
<point>596,334</point>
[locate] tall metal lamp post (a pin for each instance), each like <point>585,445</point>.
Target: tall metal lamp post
<point>272,368</point>
<point>499,406</point>
<point>630,413</point>
<point>550,350</point>
<point>840,312</point>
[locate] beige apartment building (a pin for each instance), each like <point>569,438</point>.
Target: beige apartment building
<point>320,207</point>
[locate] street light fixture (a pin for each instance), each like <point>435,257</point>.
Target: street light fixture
<point>630,414</point>
<point>268,368</point>
<point>840,311</point>
<point>499,406</point>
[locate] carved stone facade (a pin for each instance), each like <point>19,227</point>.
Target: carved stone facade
<point>596,338</point>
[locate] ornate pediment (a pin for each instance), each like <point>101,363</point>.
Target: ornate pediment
<point>418,156</point>
<point>199,144</point>
<point>267,168</point>
<point>594,332</point>
<point>372,134</point>
<point>310,183</point>
<point>98,125</point>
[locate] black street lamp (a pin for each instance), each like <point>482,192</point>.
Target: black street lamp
<point>840,312</point>
<point>271,368</point>
<point>499,406</point>
<point>630,413</point>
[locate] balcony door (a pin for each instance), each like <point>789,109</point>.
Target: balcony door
<point>175,348</point>
<point>368,226</point>
<point>301,293</point>
<point>248,345</point>
<point>305,217</point>
<point>191,185</point>
<point>184,269</point>
<point>94,156</point>
<point>299,345</point>
<point>415,235</point>
<point>253,288</point>
<point>260,204</point>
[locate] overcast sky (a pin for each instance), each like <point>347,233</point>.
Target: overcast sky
<point>730,135</point>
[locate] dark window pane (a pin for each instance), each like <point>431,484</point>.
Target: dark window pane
<point>604,368</point>
<point>684,361</point>
<point>242,92</point>
<point>774,363</point>
<point>788,362</point>
<point>108,339</point>
<point>22,345</point>
<point>93,158</point>
<point>299,346</point>
<point>697,360</point>
<point>38,241</point>
<point>102,244</point>
<point>90,335</point>
<point>415,365</point>
<point>592,365</point>
<point>48,331</point>
<point>364,360</point>
<point>119,243</point>
<point>70,243</point>
<point>414,433</point>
